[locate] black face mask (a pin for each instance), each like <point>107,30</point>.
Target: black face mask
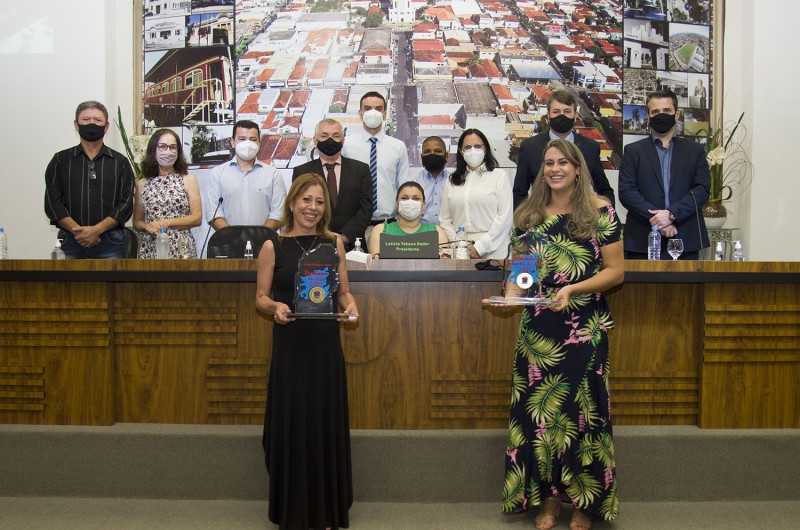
<point>329,146</point>
<point>662,123</point>
<point>91,132</point>
<point>434,163</point>
<point>561,124</point>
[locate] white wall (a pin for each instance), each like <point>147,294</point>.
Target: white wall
<point>91,58</point>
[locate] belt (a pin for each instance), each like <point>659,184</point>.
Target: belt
<point>388,220</point>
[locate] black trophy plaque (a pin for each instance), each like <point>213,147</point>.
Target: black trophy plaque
<point>315,283</point>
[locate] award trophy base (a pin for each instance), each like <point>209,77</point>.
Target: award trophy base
<point>320,316</point>
<point>520,300</point>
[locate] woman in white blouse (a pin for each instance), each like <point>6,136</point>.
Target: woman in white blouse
<point>478,197</point>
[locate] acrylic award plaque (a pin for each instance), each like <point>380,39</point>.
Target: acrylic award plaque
<point>524,272</point>
<point>315,283</point>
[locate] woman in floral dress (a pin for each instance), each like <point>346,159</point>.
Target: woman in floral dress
<point>560,445</point>
<point>167,197</point>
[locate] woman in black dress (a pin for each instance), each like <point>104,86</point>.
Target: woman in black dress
<point>306,428</point>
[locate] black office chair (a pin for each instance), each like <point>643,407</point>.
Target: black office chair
<point>131,243</point>
<point>231,240</point>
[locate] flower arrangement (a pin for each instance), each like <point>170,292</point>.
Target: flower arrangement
<point>727,160</point>
<point>135,146</point>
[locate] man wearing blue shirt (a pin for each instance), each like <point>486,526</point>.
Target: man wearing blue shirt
<point>433,177</point>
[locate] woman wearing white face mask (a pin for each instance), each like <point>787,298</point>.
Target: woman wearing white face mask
<point>410,205</point>
<point>167,197</point>
<point>478,196</point>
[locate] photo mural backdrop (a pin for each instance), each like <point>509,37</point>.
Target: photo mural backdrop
<point>444,66</point>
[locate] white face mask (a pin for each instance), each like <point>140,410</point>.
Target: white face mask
<point>372,118</point>
<point>474,158</point>
<point>409,209</point>
<point>246,150</point>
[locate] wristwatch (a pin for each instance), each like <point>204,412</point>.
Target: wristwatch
<point>672,217</point>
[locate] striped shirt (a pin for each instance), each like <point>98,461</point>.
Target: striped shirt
<point>250,198</point>
<point>88,190</point>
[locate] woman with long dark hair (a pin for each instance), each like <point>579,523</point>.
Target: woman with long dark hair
<point>478,197</point>
<point>167,197</point>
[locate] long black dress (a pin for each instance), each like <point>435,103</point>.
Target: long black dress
<point>306,427</point>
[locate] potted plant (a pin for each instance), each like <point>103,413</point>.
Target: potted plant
<point>729,167</point>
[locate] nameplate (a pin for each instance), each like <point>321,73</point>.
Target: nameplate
<point>423,245</point>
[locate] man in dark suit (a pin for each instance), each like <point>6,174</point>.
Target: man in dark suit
<point>561,110</point>
<point>664,181</point>
<point>349,183</point>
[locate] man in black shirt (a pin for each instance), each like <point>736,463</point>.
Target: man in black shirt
<point>89,190</point>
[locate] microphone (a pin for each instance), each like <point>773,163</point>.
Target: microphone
<point>208,232</point>
<point>468,241</point>
<point>698,213</point>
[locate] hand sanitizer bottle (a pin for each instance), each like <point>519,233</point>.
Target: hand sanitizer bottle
<point>57,253</point>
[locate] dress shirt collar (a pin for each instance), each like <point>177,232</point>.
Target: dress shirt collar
<point>427,175</point>
<point>104,151</point>
<point>257,162</point>
<point>570,136</point>
<point>337,161</point>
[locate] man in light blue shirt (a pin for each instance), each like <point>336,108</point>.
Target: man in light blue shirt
<point>244,190</point>
<point>386,156</point>
<point>433,177</point>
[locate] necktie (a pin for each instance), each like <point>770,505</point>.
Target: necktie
<point>373,171</point>
<point>332,183</point>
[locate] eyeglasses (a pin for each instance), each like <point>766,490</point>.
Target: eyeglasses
<point>476,147</point>
<point>92,174</point>
<point>167,147</point>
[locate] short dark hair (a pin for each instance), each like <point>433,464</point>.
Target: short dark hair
<point>150,164</point>
<point>563,97</point>
<point>410,184</point>
<point>247,125</point>
<point>661,94</point>
<point>434,139</point>
<point>91,104</point>
<point>372,94</point>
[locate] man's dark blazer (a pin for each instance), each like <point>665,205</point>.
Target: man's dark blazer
<point>354,204</point>
<point>641,188</point>
<point>530,160</point>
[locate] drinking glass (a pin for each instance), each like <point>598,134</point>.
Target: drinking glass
<point>675,248</point>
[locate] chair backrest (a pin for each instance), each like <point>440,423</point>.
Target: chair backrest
<point>231,240</point>
<point>131,243</point>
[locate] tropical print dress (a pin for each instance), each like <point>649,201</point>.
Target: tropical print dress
<point>560,441</point>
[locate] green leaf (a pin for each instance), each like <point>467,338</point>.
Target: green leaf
<point>545,352</point>
<point>513,488</point>
<point>548,397</point>
<point>583,489</point>
<point>137,171</point>
<point>603,449</point>
<point>609,509</point>
<point>562,431</point>
<point>585,400</point>
<point>584,453</point>
<point>518,386</point>
<point>516,437</point>
<point>568,256</point>
<point>545,452</point>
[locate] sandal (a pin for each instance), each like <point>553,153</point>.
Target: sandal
<point>548,513</point>
<point>579,521</point>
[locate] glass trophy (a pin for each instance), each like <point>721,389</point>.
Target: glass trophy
<point>315,283</point>
<point>526,271</point>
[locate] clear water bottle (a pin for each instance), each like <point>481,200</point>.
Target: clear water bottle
<point>357,246</point>
<point>248,250</point>
<point>3,244</point>
<point>719,253</point>
<point>462,252</point>
<point>57,253</point>
<point>738,253</point>
<point>162,244</point>
<point>654,244</point>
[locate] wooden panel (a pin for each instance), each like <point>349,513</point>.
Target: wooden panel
<point>751,356</point>
<point>55,354</point>
<point>236,390</point>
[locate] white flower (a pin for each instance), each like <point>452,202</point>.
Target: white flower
<point>716,156</point>
<point>138,143</point>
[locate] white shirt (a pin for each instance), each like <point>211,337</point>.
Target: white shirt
<point>393,169</point>
<point>247,198</point>
<point>484,207</point>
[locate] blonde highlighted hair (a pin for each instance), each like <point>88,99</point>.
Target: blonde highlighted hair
<point>583,210</point>
<point>298,188</point>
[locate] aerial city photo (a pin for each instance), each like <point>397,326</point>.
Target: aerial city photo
<point>444,66</point>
